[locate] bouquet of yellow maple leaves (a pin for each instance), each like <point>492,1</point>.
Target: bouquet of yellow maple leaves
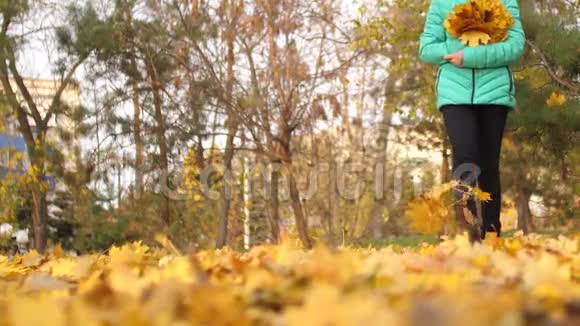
<point>479,22</point>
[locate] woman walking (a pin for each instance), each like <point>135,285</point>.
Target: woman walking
<point>475,92</point>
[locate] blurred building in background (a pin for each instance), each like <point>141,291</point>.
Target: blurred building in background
<point>13,157</point>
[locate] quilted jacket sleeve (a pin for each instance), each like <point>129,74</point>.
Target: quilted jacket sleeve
<point>432,46</point>
<point>498,54</point>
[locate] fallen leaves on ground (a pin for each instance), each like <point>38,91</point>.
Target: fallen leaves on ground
<point>502,281</point>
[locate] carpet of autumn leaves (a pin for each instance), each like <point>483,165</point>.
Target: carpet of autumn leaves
<point>522,280</point>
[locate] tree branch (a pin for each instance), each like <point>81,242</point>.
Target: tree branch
<point>22,87</point>
<point>63,85</point>
<point>551,70</point>
<point>24,126</point>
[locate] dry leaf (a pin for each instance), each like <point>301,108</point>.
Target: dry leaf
<point>556,99</point>
<point>474,38</point>
<point>32,259</point>
<point>427,215</point>
<point>479,22</point>
<point>490,282</point>
<point>480,194</point>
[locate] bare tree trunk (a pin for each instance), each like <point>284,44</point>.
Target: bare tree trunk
<point>333,198</point>
<point>273,202</point>
<point>327,220</point>
<point>162,143</point>
<point>284,151</point>
<point>231,126</point>
<point>39,215</point>
<point>139,147</point>
<point>373,227</point>
<point>246,200</point>
<point>523,210</point>
<point>119,186</point>
<point>194,9</point>
<point>297,209</point>
<point>275,205</point>
<point>282,148</point>
<point>199,153</point>
<point>226,191</point>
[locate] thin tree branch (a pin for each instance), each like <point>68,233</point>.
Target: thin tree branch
<point>551,70</point>
<point>65,82</point>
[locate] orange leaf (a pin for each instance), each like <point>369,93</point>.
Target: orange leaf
<point>556,99</point>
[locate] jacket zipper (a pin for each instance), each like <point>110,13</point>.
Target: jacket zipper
<point>437,80</point>
<point>472,84</point>
<point>510,80</point>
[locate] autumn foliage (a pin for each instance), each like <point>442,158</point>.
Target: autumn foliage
<point>432,212</point>
<point>479,22</point>
<point>556,100</point>
<point>501,281</point>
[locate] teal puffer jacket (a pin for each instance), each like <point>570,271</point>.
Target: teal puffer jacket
<point>486,76</point>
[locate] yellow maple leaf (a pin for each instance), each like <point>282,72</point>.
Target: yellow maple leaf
<point>42,281</point>
<point>556,99</point>
<point>427,215</point>
<point>507,143</point>
<point>480,194</point>
<point>474,38</point>
<point>127,281</point>
<point>34,311</point>
<point>62,266</point>
<point>129,254</point>
<point>72,268</point>
<point>479,22</point>
<point>492,240</point>
<point>31,259</point>
<point>439,190</point>
<point>57,251</point>
<point>8,270</point>
<point>164,241</point>
<point>327,305</point>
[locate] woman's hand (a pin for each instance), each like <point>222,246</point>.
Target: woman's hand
<point>455,58</point>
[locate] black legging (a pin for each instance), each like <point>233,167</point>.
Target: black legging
<point>475,133</point>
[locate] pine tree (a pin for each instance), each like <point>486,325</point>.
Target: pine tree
<point>542,135</point>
